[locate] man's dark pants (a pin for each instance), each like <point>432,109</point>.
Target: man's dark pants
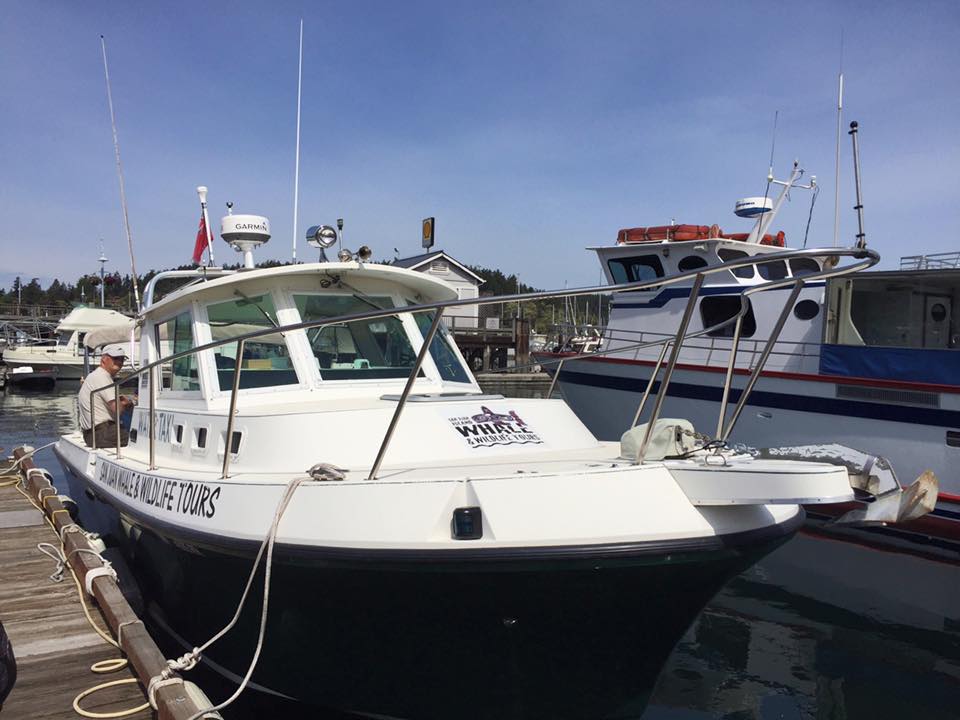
<point>105,434</point>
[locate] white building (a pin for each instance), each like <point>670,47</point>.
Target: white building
<point>467,283</point>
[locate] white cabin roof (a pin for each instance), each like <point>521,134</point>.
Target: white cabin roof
<point>424,287</point>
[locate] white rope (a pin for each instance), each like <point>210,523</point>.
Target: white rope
<point>190,659</point>
<point>30,453</point>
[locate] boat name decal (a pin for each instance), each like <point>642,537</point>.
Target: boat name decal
<point>181,496</point>
<point>163,425</point>
<point>489,428</point>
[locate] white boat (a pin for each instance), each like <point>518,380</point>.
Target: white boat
<point>444,552</point>
<point>65,358</point>
<point>867,360</point>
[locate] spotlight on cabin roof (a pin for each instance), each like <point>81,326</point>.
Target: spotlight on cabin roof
<point>244,233</point>
<point>321,236</point>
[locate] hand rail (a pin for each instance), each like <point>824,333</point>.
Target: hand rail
<point>864,258</point>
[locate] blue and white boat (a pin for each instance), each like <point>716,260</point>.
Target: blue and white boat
<point>870,360</point>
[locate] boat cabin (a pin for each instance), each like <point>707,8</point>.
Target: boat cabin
<point>371,354</point>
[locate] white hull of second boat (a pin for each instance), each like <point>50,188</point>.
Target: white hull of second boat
<point>67,366</point>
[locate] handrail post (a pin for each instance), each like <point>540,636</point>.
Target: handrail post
<point>93,427</point>
<point>438,313</point>
<point>116,412</point>
<point>731,361</point>
<point>555,378</point>
<point>153,417</point>
<point>653,377</point>
<point>755,375</point>
<point>674,354</point>
<point>228,442</point>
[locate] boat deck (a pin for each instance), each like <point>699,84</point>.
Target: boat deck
<point>53,643</point>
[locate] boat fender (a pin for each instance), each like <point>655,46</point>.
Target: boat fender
<point>671,437</point>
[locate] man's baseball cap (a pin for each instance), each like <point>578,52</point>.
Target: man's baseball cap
<point>115,351</point>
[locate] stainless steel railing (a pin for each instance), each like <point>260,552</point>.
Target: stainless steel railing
<point>863,258</point>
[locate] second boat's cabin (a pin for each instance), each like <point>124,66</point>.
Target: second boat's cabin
<point>345,357</point>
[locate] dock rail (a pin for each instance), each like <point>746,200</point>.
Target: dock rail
<point>863,258</point>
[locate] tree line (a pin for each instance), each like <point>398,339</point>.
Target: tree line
<point>119,294</point>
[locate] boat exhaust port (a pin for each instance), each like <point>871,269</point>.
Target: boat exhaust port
<point>467,524</point>
<point>873,480</point>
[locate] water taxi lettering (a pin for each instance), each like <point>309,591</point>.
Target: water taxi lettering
<point>163,425</point>
<point>180,496</point>
<point>488,428</point>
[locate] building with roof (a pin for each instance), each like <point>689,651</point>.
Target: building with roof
<point>467,283</point>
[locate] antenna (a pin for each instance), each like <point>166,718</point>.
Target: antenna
<point>123,195</point>
<point>861,238</point>
<point>296,170</point>
<point>836,190</point>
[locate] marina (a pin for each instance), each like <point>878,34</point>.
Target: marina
<point>485,428</point>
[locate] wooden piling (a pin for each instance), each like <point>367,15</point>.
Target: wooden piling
<point>173,702</point>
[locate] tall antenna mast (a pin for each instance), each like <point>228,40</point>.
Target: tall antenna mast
<point>123,194</point>
<point>296,171</point>
<point>836,184</point>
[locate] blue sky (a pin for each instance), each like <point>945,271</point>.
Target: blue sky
<point>529,129</point>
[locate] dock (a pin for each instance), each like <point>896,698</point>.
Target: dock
<point>53,642</point>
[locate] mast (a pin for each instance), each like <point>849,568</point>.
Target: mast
<point>296,171</point>
<point>123,195</point>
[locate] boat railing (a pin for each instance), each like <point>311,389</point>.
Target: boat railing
<point>935,261</point>
<point>862,259</point>
<point>710,345</point>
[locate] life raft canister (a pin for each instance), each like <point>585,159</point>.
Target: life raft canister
<point>680,233</point>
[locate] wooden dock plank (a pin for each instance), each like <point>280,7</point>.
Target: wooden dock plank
<point>52,640</point>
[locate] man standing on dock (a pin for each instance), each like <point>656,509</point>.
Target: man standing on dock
<point>104,407</point>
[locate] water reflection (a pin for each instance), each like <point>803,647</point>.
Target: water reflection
<point>785,640</point>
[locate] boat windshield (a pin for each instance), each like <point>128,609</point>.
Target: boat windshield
<point>363,349</point>
<point>266,361</point>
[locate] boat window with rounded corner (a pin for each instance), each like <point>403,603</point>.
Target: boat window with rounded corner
<point>441,350</point>
<point>714,309</point>
<point>372,349</point>
<point>728,254</point>
<point>804,266</point>
<point>266,359</point>
<point>691,262</point>
<point>174,336</point>
<point>772,270</point>
<point>635,269</point>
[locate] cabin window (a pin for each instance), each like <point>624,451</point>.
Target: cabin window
<point>634,269</point>
<point>772,270</point>
<point>266,361</point>
<point>716,309</point>
<point>804,266</point>
<point>441,350</point>
<point>806,310</point>
<point>174,336</point>
<point>363,349</point>
<point>726,254</point>
<point>64,337</point>
<point>691,262</point>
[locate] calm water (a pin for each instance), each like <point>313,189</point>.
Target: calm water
<point>819,629</point>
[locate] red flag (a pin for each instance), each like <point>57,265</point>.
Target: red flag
<point>202,240</point>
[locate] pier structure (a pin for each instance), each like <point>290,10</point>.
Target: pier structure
<point>54,644</point>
